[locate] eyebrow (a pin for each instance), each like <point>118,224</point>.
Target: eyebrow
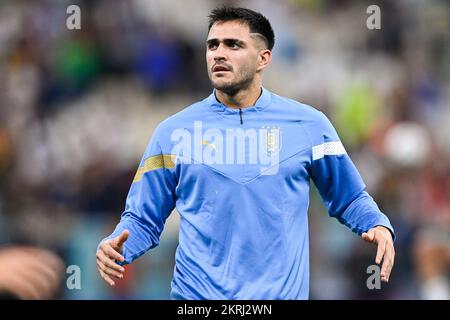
<point>226,40</point>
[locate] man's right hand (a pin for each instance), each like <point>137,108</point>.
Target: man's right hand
<point>108,253</point>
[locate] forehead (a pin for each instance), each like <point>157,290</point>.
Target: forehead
<point>229,29</point>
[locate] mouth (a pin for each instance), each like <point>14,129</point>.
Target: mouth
<point>220,68</point>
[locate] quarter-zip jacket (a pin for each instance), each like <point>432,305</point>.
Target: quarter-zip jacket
<point>240,180</point>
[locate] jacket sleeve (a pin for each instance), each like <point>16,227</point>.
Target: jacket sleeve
<point>150,201</point>
<point>339,182</point>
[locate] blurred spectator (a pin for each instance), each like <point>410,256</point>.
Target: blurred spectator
<point>29,273</point>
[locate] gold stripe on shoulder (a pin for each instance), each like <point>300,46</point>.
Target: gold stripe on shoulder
<point>138,175</point>
<point>155,162</point>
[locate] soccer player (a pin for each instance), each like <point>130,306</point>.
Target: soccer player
<point>237,166</point>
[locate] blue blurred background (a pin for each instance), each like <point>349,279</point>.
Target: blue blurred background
<point>77,108</point>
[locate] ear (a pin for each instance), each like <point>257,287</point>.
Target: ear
<point>264,58</point>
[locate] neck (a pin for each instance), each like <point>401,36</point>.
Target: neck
<point>244,98</point>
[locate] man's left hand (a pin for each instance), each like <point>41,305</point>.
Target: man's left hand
<point>382,237</point>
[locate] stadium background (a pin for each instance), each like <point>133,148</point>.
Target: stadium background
<point>77,108</point>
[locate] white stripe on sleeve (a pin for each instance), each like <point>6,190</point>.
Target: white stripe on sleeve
<point>333,148</point>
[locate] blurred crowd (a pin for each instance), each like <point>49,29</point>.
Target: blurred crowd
<point>77,108</point>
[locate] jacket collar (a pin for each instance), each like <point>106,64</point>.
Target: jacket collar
<point>262,102</point>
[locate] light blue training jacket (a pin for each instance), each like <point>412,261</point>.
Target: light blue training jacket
<point>240,179</point>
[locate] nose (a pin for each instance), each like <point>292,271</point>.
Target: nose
<point>219,53</point>
<point>219,58</point>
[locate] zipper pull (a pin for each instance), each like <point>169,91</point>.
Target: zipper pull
<point>240,115</point>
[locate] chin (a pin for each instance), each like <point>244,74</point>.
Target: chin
<point>223,85</point>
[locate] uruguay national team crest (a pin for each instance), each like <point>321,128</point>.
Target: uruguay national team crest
<point>271,140</point>
<point>231,146</point>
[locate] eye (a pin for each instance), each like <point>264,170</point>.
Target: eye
<point>212,46</point>
<point>233,45</point>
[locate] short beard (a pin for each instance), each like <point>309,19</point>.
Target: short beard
<point>233,88</point>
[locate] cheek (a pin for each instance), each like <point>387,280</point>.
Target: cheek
<point>209,58</point>
<point>248,64</point>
